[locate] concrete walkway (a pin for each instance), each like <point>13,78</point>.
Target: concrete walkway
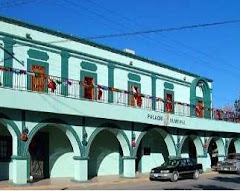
<point>66,183</point>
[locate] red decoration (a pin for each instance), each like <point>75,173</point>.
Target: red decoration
<point>169,106</point>
<point>52,85</point>
<point>218,114</point>
<point>24,137</point>
<point>199,110</point>
<point>133,143</point>
<point>99,94</point>
<point>137,96</point>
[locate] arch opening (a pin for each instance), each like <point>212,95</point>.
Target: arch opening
<point>189,149</point>
<point>105,155</point>
<point>50,148</point>
<point>213,153</point>
<point>6,151</point>
<point>231,148</point>
<point>200,96</point>
<point>151,152</point>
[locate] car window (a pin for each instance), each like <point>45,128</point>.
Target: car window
<point>183,162</point>
<point>172,162</point>
<point>189,162</point>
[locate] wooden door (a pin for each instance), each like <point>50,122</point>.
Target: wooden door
<point>38,81</point>
<point>88,90</point>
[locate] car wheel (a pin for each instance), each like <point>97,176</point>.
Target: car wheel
<point>196,175</point>
<point>151,179</point>
<point>238,171</point>
<point>174,177</point>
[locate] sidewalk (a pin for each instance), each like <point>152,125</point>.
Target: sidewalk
<point>66,183</point>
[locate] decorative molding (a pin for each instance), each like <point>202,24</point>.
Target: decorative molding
<point>168,85</point>
<point>80,158</point>
<point>89,66</point>
<point>39,55</point>
<point>134,77</point>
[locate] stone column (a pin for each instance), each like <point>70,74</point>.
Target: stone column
<point>204,161</point>
<point>19,170</point>
<point>129,167</point>
<point>81,168</point>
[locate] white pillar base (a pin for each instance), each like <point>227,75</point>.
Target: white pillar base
<point>204,161</point>
<point>19,170</point>
<point>80,169</point>
<point>129,167</point>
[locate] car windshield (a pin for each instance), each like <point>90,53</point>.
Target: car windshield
<point>172,162</point>
<point>234,157</point>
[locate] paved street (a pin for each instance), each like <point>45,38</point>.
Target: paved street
<point>210,181</point>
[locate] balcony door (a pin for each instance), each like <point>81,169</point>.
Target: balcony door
<point>38,81</point>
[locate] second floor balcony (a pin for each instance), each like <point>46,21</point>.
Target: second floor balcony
<point>25,90</point>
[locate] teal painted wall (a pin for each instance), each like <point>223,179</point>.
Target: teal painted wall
<point>61,163</point>
<point>104,157</point>
<point>158,149</point>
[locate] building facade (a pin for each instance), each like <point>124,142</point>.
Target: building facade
<point>74,108</point>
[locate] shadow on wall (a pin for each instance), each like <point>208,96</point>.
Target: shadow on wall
<point>105,155</point>
<point>151,153</point>
<point>61,154</point>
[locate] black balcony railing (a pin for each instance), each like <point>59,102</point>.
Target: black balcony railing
<point>41,83</point>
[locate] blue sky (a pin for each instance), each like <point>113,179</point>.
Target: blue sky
<point>213,52</point>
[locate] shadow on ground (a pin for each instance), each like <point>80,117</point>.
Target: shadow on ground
<point>201,187</point>
<point>227,179</point>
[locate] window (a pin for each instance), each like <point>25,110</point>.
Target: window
<point>183,163</point>
<point>189,162</point>
<point>38,81</point>
<point>146,150</point>
<point>88,89</point>
<point>169,103</point>
<point>5,148</point>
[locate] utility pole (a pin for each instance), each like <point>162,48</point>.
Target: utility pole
<point>11,54</point>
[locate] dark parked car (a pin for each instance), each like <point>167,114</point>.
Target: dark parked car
<point>174,168</point>
<point>230,164</point>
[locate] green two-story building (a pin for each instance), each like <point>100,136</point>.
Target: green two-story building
<point>75,108</point>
